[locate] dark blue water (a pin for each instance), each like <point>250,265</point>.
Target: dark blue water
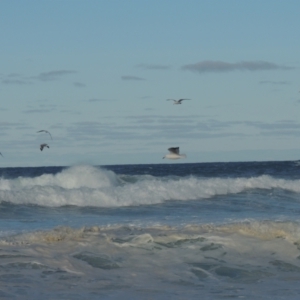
<point>275,202</point>
<point>279,169</point>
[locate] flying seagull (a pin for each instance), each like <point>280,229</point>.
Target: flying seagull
<point>42,146</point>
<point>174,153</point>
<point>178,101</point>
<point>46,132</point>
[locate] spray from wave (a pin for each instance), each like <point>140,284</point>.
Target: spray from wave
<point>91,186</point>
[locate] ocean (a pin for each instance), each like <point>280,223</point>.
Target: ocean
<point>165,231</point>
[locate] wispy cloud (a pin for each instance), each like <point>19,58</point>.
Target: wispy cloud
<point>274,82</point>
<point>42,108</point>
<point>18,79</point>
<point>279,125</point>
<point>54,75</point>
<point>221,66</point>
<point>6,127</point>
<point>15,81</point>
<point>15,78</point>
<point>130,77</point>
<point>190,126</point>
<point>37,111</point>
<point>79,84</point>
<point>153,67</point>
<point>9,125</point>
<point>99,100</point>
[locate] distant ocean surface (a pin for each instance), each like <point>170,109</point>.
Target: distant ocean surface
<point>166,231</point>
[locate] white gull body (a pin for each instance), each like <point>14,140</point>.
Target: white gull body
<point>174,153</point>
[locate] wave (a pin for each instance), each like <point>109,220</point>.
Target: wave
<point>243,260</point>
<point>92,186</point>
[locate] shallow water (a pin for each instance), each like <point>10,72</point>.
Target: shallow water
<point>151,231</point>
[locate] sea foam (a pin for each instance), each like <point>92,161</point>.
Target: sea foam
<point>92,186</point>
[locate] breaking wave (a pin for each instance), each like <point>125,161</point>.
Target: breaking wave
<point>92,186</point>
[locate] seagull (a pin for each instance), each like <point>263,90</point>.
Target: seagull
<point>46,132</point>
<point>42,146</point>
<point>178,101</point>
<point>174,153</point>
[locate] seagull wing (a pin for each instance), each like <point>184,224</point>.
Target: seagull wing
<point>174,150</point>
<point>46,132</point>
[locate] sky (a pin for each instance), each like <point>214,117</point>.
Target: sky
<point>97,74</point>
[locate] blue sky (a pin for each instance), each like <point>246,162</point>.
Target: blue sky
<point>96,74</point>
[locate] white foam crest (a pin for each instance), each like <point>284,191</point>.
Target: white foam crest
<point>71,178</point>
<point>91,186</point>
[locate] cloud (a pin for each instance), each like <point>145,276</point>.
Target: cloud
<point>15,81</point>
<point>69,111</point>
<point>99,100</point>
<point>161,130</point>
<point>103,132</point>
<point>279,125</point>
<point>129,77</point>
<point>18,79</point>
<point>53,75</point>
<point>32,111</point>
<point>156,127</point>
<point>15,78</point>
<point>79,84</point>
<point>274,82</point>
<point>153,67</point>
<point>10,125</point>
<point>186,127</point>
<point>7,127</point>
<point>42,108</point>
<point>221,66</point>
